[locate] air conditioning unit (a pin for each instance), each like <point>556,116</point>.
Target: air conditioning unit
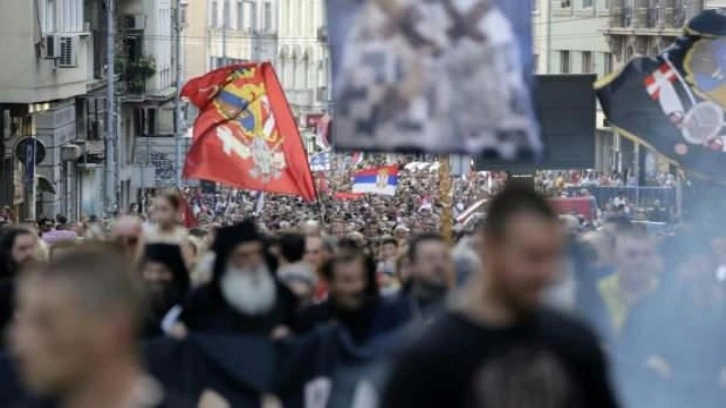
<point>51,47</point>
<point>68,57</point>
<point>135,21</point>
<point>70,152</point>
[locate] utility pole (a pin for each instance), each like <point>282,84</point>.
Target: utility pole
<point>225,18</point>
<point>110,139</point>
<point>177,99</point>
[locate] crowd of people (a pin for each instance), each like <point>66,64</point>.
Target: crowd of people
<point>505,319</point>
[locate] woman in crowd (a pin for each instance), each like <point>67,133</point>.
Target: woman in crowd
<point>166,214</point>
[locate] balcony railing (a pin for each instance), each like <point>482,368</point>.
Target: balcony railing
<point>627,17</point>
<point>301,97</point>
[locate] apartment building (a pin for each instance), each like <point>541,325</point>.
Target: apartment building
<point>241,30</point>
<point>54,87</point>
<point>51,87</point>
<point>303,61</point>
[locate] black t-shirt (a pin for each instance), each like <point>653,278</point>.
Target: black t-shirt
<point>549,361</point>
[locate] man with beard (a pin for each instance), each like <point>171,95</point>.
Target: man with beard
<point>521,250</point>
<point>18,248</point>
<point>353,300</point>
<point>74,339</point>
<point>431,264</point>
<point>244,296</point>
<point>167,280</point>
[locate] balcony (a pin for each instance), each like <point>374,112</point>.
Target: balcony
<point>301,97</point>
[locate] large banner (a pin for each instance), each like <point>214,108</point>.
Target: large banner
<point>675,102</point>
<point>438,76</point>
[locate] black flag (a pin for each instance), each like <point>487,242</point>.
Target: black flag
<point>675,102</point>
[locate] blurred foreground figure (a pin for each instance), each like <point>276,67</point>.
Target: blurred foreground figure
<point>500,348</point>
<point>75,335</point>
<point>18,249</point>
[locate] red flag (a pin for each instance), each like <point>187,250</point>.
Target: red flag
<point>245,135</point>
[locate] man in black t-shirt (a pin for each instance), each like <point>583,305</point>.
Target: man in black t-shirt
<point>498,347</point>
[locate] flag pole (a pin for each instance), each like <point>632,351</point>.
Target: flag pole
<point>445,199</point>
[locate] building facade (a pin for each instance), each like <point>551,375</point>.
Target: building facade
<point>568,39</point>
<point>302,59</point>
<point>147,100</point>
<point>241,30</point>
<point>52,88</point>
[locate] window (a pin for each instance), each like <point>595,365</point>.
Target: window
<point>183,15</point>
<point>240,15</point>
<point>564,62</point>
<point>268,16</point>
<point>225,15</point>
<point>50,16</point>
<point>535,5</point>
<point>587,3</point>
<point>535,63</point>
<point>60,16</point>
<point>214,17</point>
<point>608,62</point>
<point>565,4</point>
<point>586,62</point>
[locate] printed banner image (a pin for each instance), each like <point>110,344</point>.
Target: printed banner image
<point>442,76</point>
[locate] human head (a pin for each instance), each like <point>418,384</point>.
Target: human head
<point>166,208</point>
<point>75,315</point>
<point>403,267</point>
<point>430,258</point>
<point>164,274</point>
<point>522,247</point>
<point>46,224</point>
<point>61,220</point>
<point>127,232</point>
<point>241,270</point>
<point>337,229</point>
<point>310,227</point>
<point>352,280</point>
<point>389,248</point>
<point>18,247</point>
<point>636,258</point>
<point>401,232</point>
<point>314,251</point>
<point>292,247</point>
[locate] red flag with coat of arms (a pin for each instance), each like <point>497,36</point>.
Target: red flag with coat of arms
<point>245,135</point>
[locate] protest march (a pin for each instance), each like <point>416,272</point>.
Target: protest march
<point>423,251</point>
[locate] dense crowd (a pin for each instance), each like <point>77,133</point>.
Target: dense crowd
<point>655,301</point>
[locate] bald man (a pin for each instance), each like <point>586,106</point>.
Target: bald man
<point>310,227</point>
<point>128,231</point>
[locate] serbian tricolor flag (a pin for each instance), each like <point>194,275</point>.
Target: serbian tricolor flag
<point>376,180</point>
<point>245,135</point>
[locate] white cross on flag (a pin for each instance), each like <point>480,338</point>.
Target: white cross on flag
<point>663,76</point>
